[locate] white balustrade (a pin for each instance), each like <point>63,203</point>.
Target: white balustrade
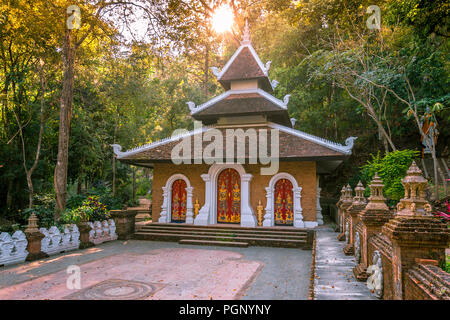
<point>55,242</point>
<point>13,249</point>
<point>102,231</point>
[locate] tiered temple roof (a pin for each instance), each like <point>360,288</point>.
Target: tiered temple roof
<point>247,103</point>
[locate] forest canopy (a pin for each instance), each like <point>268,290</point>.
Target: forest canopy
<point>135,64</point>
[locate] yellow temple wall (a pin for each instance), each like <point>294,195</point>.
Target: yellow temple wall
<point>303,171</point>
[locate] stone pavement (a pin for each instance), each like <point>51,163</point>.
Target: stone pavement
<point>334,275</point>
<point>163,270</point>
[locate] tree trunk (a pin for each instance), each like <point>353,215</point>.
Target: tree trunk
<point>65,113</point>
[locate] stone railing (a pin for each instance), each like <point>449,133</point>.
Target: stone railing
<point>13,249</point>
<point>387,245</point>
<point>102,231</point>
<point>56,242</point>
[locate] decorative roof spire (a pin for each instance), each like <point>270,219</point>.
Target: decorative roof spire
<point>246,36</point>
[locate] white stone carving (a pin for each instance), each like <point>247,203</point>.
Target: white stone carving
<point>112,229</point>
<point>319,216</point>
<point>286,99</point>
<point>293,121</point>
<point>375,282</point>
<point>74,237</point>
<point>166,208</point>
<point>215,71</point>
<point>55,242</point>
<point>357,248</point>
<point>102,231</point>
<point>13,249</point>
<point>191,105</point>
<point>347,232</point>
<point>349,143</point>
<point>117,148</point>
<point>208,213</point>
<point>267,66</point>
<point>274,83</point>
<point>269,219</point>
<point>202,218</point>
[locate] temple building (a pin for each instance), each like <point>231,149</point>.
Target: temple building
<point>228,184</point>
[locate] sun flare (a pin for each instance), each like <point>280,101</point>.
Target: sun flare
<point>222,19</point>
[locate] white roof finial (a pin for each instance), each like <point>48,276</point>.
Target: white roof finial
<point>246,37</point>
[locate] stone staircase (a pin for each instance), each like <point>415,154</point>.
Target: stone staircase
<point>226,235</point>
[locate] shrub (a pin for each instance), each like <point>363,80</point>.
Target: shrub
<point>90,210</point>
<point>75,200</point>
<point>44,208</point>
<point>106,197</point>
<point>392,169</point>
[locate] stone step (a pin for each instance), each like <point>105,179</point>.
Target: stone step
<point>299,236</point>
<point>214,243</point>
<point>229,227</point>
<point>256,241</point>
<point>262,231</point>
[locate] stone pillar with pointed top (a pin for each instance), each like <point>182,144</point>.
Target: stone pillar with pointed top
<point>375,214</point>
<point>358,204</point>
<point>347,199</point>
<point>414,232</point>
<point>34,237</point>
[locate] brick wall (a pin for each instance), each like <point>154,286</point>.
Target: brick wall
<point>303,172</point>
<point>377,243</point>
<point>427,282</point>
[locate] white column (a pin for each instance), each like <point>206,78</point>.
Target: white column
<point>268,216</point>
<point>189,206</point>
<point>248,218</point>
<point>319,216</point>
<point>163,218</point>
<point>202,218</point>
<point>298,217</point>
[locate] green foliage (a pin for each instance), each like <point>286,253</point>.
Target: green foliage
<point>106,197</point>
<point>391,168</point>
<point>44,205</point>
<point>138,95</point>
<point>90,210</point>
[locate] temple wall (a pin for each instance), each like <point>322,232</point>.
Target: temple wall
<point>163,171</point>
<point>303,172</point>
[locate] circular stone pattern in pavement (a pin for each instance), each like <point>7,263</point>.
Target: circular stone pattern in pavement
<point>115,289</point>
